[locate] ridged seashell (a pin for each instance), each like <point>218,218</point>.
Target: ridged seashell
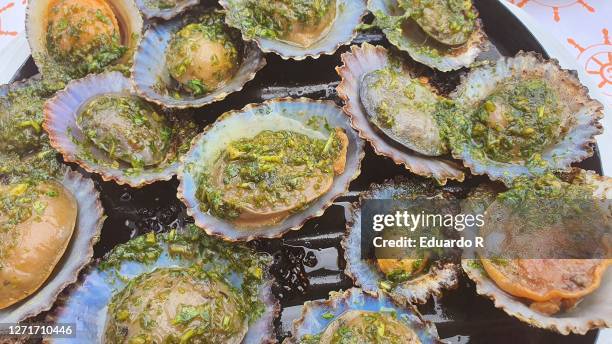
<point>340,31</point>
<point>154,81</point>
<point>321,319</point>
<point>117,23</point>
<point>153,258</point>
<point>578,116</point>
<point>441,275</point>
<point>407,35</point>
<point>591,311</point>
<point>164,9</point>
<point>357,63</point>
<point>312,120</point>
<point>65,265</point>
<point>71,134</point>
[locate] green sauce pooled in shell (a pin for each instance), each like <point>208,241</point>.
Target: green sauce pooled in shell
<point>203,55</point>
<point>298,22</point>
<point>176,305</point>
<point>266,177</point>
<point>127,128</point>
<point>517,121</point>
<point>83,36</point>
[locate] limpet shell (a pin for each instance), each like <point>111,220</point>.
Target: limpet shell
<point>318,315</point>
<point>86,304</point>
<point>277,114</point>
<point>452,58</point>
<point>90,217</point>
<point>61,123</point>
<point>344,28</point>
<point>358,62</point>
<point>593,311</point>
<point>150,71</point>
<point>441,276</point>
<point>577,142</point>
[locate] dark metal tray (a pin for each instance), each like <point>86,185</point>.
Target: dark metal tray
<point>309,263</point>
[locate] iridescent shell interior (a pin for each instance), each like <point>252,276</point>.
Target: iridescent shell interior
<point>318,315</point>
<point>293,115</point>
<point>342,31</point>
<point>154,82</point>
<point>77,255</point>
<point>62,111</point>
<point>86,304</point>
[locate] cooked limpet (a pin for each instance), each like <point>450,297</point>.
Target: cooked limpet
<point>177,286</point>
<point>544,287</point>
<point>164,9</point>
<point>404,108</point>
<point>296,29</point>
<point>99,123</point>
<point>408,276</point>
<point>264,170</point>
<point>48,226</point>
<point>194,60</point>
<point>443,34</point>
<point>521,117</point>
<point>355,316</point>
<point>70,39</point>
<point>39,219</point>
<point>395,112</point>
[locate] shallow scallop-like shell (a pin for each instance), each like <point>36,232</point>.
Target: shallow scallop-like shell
<point>413,40</point>
<point>149,10</point>
<point>441,276</point>
<point>150,71</point>
<point>593,311</point>
<point>61,123</point>
<point>128,17</point>
<point>86,303</point>
<point>318,315</point>
<point>344,28</point>
<point>358,62</point>
<point>585,114</point>
<point>90,217</point>
<point>276,114</point>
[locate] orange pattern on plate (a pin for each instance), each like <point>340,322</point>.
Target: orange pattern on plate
<point>596,59</point>
<point>556,5</point>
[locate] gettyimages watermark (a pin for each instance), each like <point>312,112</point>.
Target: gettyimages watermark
<point>534,229</point>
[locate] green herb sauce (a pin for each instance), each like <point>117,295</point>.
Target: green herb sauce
<point>135,135</point>
<point>271,168</point>
<point>450,22</point>
<point>275,19</point>
<point>210,273</point>
<point>517,121</point>
<point>127,128</point>
<point>203,55</point>
<point>83,37</point>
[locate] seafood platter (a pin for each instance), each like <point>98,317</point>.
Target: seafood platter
<point>184,171</point>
